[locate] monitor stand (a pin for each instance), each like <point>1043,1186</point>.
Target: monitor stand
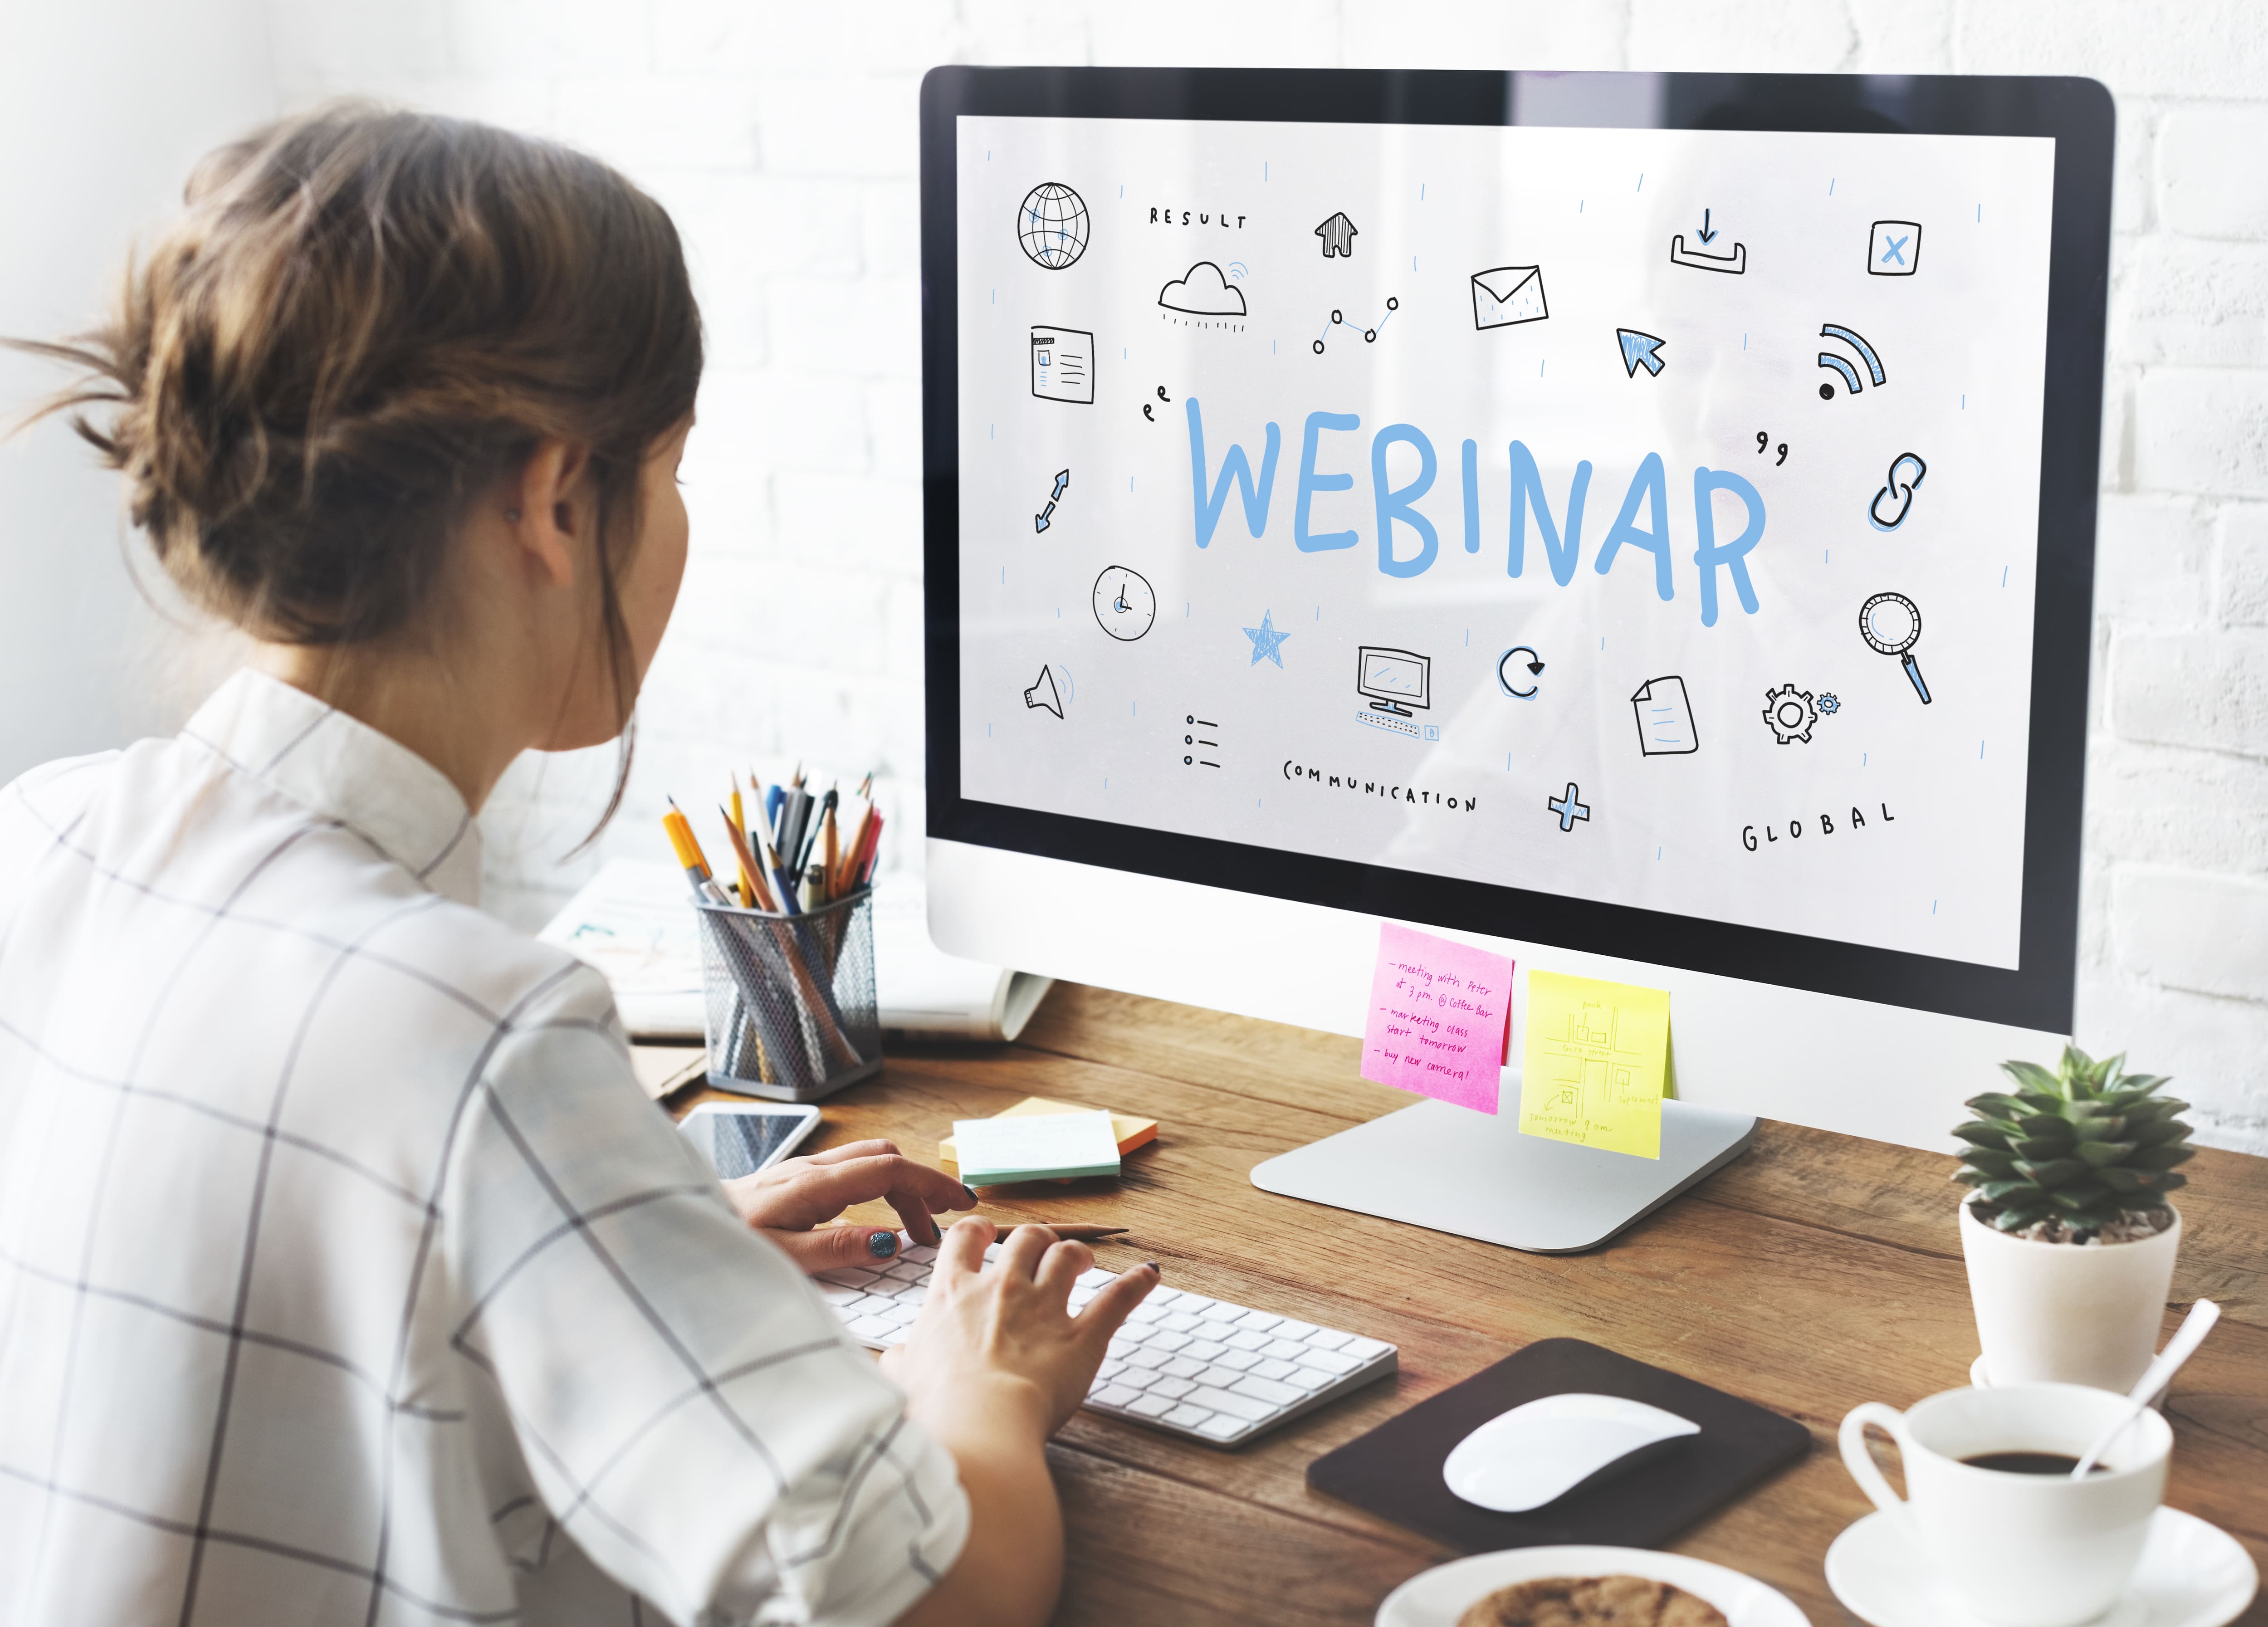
<point>1450,1169</point>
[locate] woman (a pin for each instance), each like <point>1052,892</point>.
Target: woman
<point>348,1276</point>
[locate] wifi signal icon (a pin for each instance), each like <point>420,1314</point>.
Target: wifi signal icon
<point>1850,381</point>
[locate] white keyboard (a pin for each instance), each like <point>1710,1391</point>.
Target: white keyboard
<point>1213,1371</point>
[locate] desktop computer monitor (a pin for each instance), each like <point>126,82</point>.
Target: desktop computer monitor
<point>1700,471</point>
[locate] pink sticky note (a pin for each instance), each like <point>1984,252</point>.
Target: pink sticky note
<point>1440,1018</point>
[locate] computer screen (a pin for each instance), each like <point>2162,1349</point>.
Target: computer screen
<point>1650,514</point>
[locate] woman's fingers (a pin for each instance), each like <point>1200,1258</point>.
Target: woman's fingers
<point>1025,1248</point>
<point>824,1190</point>
<point>876,1148</point>
<point>831,1248</point>
<point>1108,1309</point>
<point>920,1225</point>
<point>1059,1269</point>
<point>962,1252</point>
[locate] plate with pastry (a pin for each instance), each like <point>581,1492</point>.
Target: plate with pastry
<point>1586,1588</point>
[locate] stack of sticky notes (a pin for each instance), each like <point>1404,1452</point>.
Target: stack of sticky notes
<point>1041,1140</point>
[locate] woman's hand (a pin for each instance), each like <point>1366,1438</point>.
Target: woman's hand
<point>793,1201</point>
<point>1004,1333</point>
<point>993,1365</point>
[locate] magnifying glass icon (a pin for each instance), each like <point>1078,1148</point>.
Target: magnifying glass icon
<point>1892,625</point>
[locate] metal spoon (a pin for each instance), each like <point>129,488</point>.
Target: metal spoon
<point>2154,1377</point>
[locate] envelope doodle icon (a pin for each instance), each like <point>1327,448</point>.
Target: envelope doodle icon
<point>1508,295</point>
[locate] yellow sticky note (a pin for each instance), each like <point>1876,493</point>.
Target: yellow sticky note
<point>1593,1062</point>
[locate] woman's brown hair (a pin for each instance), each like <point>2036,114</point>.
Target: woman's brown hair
<point>362,321</point>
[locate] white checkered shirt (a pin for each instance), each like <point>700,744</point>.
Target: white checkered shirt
<point>345,1274</point>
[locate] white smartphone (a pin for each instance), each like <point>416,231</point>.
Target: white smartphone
<point>739,1138</point>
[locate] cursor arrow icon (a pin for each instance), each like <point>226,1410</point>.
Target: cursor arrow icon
<point>1640,351</point>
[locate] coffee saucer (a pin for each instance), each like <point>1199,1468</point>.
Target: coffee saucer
<point>2190,1574</point>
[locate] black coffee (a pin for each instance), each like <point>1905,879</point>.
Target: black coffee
<point>2028,1463</point>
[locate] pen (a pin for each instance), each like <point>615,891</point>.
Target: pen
<point>688,847</point>
<point>831,842</point>
<point>810,833</point>
<point>780,880</point>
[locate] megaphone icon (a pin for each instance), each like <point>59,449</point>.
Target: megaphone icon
<point>1043,693</point>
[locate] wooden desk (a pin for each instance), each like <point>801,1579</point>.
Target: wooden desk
<point>1817,1271</point>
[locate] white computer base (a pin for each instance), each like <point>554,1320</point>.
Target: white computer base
<point>1450,1169</point>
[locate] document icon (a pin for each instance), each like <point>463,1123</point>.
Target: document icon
<point>1665,719</point>
<point>1062,365</point>
<point>1507,295</point>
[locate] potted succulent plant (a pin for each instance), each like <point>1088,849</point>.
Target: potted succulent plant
<point>2068,1235</point>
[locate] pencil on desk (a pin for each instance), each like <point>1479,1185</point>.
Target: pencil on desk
<point>829,853</point>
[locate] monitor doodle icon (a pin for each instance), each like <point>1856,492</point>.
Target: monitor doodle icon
<point>1509,296</point>
<point>1062,365</point>
<point>1895,249</point>
<point>1850,381</point>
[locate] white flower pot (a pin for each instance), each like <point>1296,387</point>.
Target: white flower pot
<point>2062,1314</point>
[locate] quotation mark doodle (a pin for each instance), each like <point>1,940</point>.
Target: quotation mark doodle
<point>1898,493</point>
<point>1161,397</point>
<point>1763,444</point>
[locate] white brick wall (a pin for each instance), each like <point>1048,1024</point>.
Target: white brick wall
<point>783,138</point>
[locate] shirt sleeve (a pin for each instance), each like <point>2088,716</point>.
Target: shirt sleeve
<point>689,1408</point>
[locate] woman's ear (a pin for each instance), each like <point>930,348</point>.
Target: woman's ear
<point>550,509</point>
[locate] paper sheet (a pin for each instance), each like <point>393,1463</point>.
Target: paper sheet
<point>1441,1015</point>
<point>1593,1062</point>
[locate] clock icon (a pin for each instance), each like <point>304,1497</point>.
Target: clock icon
<point>1124,605</point>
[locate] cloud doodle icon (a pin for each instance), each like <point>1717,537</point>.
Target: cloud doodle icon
<point>1204,291</point>
<point>1888,508</point>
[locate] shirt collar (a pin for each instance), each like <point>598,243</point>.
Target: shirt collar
<point>341,767</point>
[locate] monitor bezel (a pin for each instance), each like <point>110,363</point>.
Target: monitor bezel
<point>2075,113</point>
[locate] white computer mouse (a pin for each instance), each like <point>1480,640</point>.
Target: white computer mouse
<point>1545,1449</point>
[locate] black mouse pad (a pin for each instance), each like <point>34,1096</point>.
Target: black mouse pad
<point>1394,1471</point>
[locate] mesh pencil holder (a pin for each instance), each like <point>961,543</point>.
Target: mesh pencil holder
<point>791,1011</point>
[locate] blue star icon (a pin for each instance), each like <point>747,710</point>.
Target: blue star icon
<point>1266,641</point>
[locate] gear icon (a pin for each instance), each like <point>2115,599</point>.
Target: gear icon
<point>1827,705</point>
<point>1789,713</point>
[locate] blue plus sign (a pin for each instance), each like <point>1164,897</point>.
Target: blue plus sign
<point>1567,808</point>
<point>1896,250</point>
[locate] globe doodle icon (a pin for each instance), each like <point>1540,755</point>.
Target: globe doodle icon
<point>1052,225</point>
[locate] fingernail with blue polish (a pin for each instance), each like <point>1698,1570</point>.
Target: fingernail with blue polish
<point>882,1245</point>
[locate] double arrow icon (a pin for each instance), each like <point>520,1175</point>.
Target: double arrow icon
<point>1039,520</point>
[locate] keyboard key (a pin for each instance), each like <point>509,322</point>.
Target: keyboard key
<point>1205,1350</point>
<point>1247,1341</point>
<point>1110,1370</point>
<point>1310,1379</point>
<point>907,1271</point>
<point>1187,1417</point>
<point>1137,1378</point>
<point>873,1305</point>
<point>1175,1388</point>
<point>1182,1367</point>
<point>1146,1311</point>
<point>1183,1299</point>
<point>1261,1389</point>
<point>872,1327</point>
<point>1113,1395</point>
<point>1163,1295</point>
<point>1285,1350</point>
<point>1221,1426</point>
<point>849,1277</point>
<point>1168,1343</point>
<point>1240,1360</point>
<point>1132,1332</point>
<point>900,1316</point>
<point>1363,1349</point>
<point>1178,1322</point>
<point>1094,1277</point>
<point>1258,1321</point>
<point>920,1253</point>
<point>1148,1358</point>
<point>896,1336</point>
<point>1272,1368</point>
<point>836,1295</point>
<point>1235,1405</point>
<point>1326,1339</point>
<point>1293,1329</point>
<point>1219,1377</point>
<point>1150,1406</point>
<point>1331,1361</point>
<point>916,1295</point>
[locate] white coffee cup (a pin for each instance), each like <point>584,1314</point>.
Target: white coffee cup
<point>2028,1551</point>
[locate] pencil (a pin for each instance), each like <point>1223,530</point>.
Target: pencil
<point>752,886</point>
<point>846,879</point>
<point>1072,1234</point>
<point>830,848</point>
